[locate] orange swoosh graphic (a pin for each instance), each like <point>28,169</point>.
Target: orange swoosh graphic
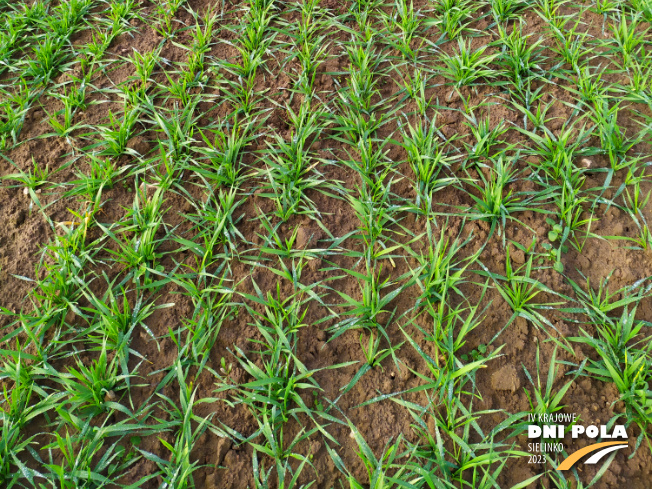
<point>571,459</point>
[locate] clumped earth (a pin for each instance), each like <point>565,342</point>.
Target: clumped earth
<point>327,244</point>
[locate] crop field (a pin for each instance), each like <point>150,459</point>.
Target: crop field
<point>329,244</point>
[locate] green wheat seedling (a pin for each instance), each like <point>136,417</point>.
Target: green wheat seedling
<point>466,67</point>
<point>242,94</point>
<point>495,201</point>
<point>402,27</point>
<point>137,240</point>
<point>629,39</point>
<point>374,300</point>
<point>572,47</point>
<point>559,176</point>
<point>440,270</point>
<point>444,385</point>
<point>61,271</point>
<point>620,333</point>
<point>254,38</point>
<point>606,7</point>
<point>177,127</point>
<point>370,312</point>
<point>273,243</point>
<point>525,103</point>
<point>588,86</point>
<point>520,57</point>
<point>246,69</point>
<point>635,198</point>
<point>643,240</point>
<point>202,40</point>
<point>613,140</point>
<point>67,16</point>
<point>119,15</point>
<point>376,214</point>
<point>558,166</point>
<point>112,320</point>
<point>309,46</point>
<point>597,303</point>
<point>427,159</point>
<point>413,87</point>
<point>222,152</point>
<point>560,482</point>
<point>360,112</point>
<point>258,18</point>
<point>622,348</point>
<point>484,475</point>
<point>19,407</point>
<point>639,81</point>
<point>18,26</point>
<point>33,178</point>
<point>50,55</point>
<point>452,18</point>
<point>357,128</point>
<point>165,13</point>
<point>111,324</point>
<point>571,203</point>
<point>374,167</point>
<point>634,205</point>
<point>176,471</point>
<point>486,136</point>
<point>214,227</point>
<point>631,377</point>
<point>115,23</point>
<point>113,137</point>
<point>545,399</point>
<point>519,290</point>
<point>364,13</point>
<point>278,377</point>
<point>85,459</point>
<point>212,306</point>
<point>183,84</point>
<point>179,86</point>
<point>362,78</point>
<point>90,55</point>
<point>291,168</point>
<point>643,7</point>
<point>103,174</point>
<point>265,477</point>
<point>382,472</point>
<point>558,152</point>
<point>93,389</point>
<point>446,459</point>
<point>505,10</point>
<point>450,328</point>
<point>73,100</point>
<point>144,65</point>
<point>35,326</point>
<point>13,108</point>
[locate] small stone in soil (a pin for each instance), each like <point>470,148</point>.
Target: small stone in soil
<point>505,379</point>
<point>223,446</point>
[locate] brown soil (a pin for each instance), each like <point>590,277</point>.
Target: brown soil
<point>502,385</point>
